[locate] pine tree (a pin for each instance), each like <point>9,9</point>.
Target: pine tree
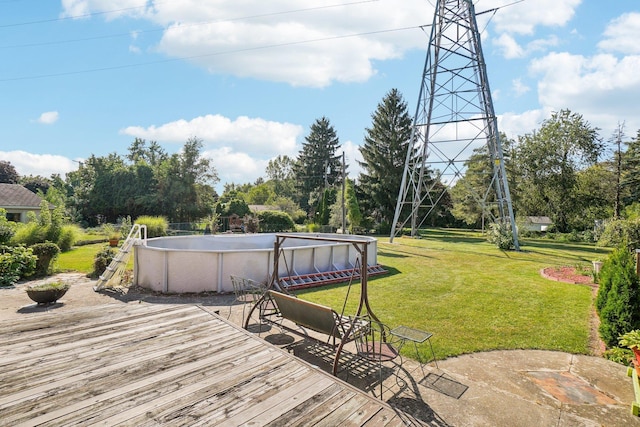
<point>318,166</point>
<point>383,152</point>
<point>630,179</point>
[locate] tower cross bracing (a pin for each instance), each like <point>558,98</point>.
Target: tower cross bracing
<point>454,116</point>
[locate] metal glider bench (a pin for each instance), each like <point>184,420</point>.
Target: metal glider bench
<point>314,317</point>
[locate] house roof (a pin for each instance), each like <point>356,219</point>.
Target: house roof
<point>262,208</point>
<point>539,220</point>
<point>17,196</point>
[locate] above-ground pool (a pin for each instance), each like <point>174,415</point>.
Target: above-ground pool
<point>205,263</point>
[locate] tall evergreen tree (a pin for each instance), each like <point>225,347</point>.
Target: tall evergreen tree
<point>384,151</point>
<point>630,179</point>
<point>318,166</point>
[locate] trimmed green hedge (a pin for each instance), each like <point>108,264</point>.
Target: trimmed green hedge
<point>275,222</point>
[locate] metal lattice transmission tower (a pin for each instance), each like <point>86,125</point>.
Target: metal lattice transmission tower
<point>454,116</point>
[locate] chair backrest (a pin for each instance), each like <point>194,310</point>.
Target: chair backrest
<point>307,314</point>
<point>374,339</point>
<point>243,286</point>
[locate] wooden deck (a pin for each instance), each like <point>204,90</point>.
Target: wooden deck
<point>143,364</point>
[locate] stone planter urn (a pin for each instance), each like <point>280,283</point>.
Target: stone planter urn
<point>597,265</point>
<point>47,293</point>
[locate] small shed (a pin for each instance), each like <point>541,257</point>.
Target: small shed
<point>538,223</point>
<point>18,200</point>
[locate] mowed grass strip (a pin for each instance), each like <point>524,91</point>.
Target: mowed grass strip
<point>81,258</point>
<point>475,297</point>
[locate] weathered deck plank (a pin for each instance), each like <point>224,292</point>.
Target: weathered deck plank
<point>143,364</point>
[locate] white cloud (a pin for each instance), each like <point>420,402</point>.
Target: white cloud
<point>508,46</point>
<point>109,9</point>
<point>514,124</point>
<point>523,18</point>
<point>235,167</point>
<point>587,84</point>
<point>313,45</point>
<point>39,164</point>
<point>519,88</point>
<point>239,149</point>
<point>302,45</point>
<point>352,156</point>
<point>260,137</point>
<point>622,34</point>
<point>48,118</point>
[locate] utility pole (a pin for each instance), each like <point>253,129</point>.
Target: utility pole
<point>344,184</point>
<point>454,115</point>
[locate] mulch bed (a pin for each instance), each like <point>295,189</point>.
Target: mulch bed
<point>567,275</point>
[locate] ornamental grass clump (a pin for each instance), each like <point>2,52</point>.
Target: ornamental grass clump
<point>157,226</point>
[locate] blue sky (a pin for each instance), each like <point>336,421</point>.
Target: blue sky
<point>248,77</point>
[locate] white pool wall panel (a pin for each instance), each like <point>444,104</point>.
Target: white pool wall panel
<point>184,264</point>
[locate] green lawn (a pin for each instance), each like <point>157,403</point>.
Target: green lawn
<point>79,258</point>
<point>475,297</point>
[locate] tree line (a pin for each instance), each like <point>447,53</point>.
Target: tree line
<point>563,170</point>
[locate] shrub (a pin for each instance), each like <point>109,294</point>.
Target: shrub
<point>275,221</point>
<point>54,228</point>
<point>125,225</point>
<point>29,234</point>
<point>618,299</point>
<point>623,356</point>
<point>7,228</point>
<point>102,260</point>
<point>15,262</point>
<point>500,234</point>
<point>157,226</point>
<point>68,237</point>
<point>46,252</point>
<point>383,228</point>
<point>47,228</point>
<point>618,231</point>
<point>6,233</point>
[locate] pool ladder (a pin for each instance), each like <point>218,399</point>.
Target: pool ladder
<point>112,275</point>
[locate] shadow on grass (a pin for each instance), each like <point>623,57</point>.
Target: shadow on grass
<point>392,254</point>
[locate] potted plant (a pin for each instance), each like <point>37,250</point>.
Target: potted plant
<point>47,293</point>
<point>113,235</point>
<point>632,340</point>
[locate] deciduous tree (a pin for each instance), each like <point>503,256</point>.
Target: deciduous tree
<point>8,173</point>
<point>548,164</point>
